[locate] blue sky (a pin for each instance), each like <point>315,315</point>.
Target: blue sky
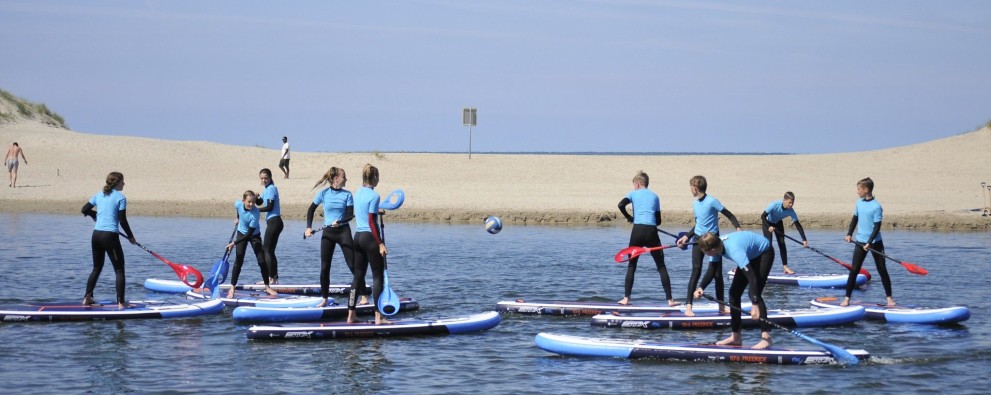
<point>558,76</point>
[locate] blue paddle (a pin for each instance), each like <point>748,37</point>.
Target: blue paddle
<point>390,204</point>
<point>388,303</point>
<point>842,356</point>
<point>218,273</point>
<point>676,236</point>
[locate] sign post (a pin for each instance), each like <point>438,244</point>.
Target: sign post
<point>468,118</point>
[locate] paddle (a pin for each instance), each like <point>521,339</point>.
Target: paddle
<point>844,264</point>
<point>390,204</point>
<point>911,267</point>
<point>842,356</point>
<point>218,273</point>
<point>388,303</point>
<point>634,251</point>
<point>676,237</point>
<point>183,271</point>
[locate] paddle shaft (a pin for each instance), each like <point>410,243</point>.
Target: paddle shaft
<point>844,264</point>
<point>181,270</point>
<point>911,267</point>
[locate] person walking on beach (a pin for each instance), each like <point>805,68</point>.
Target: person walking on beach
<point>248,233</point>
<point>645,219</point>
<point>110,215</point>
<point>707,210</point>
<point>269,204</point>
<point>284,160</point>
<point>370,249</point>
<point>772,222</point>
<point>338,210</point>
<point>11,161</point>
<point>867,223</point>
<point>753,255</point>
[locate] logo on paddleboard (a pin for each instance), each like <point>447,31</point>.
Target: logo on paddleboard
<point>299,335</point>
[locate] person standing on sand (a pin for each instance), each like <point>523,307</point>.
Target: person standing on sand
<point>110,215</point>
<point>284,161</point>
<point>11,161</point>
<point>866,222</point>
<point>646,217</point>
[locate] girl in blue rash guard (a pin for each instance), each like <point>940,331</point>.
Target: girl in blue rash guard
<point>646,217</point>
<point>370,247</point>
<point>338,209</point>
<point>867,222</point>
<point>753,256</point>
<point>247,233</point>
<point>111,210</point>
<point>772,222</point>
<point>707,210</point>
<point>268,203</point>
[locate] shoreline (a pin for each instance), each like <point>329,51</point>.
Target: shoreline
<point>970,220</point>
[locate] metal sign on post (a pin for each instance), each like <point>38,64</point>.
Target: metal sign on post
<point>468,118</point>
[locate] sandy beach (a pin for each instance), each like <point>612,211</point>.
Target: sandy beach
<point>932,185</point>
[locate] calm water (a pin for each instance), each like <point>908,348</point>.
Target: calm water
<point>456,270</point>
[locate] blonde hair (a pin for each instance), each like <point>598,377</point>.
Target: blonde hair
<point>709,242</point>
<point>698,182</point>
<point>113,179</point>
<point>789,196</point>
<point>642,178</point>
<point>369,174</point>
<point>328,177</point>
<point>247,194</point>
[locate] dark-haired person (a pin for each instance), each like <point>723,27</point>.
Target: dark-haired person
<point>866,222</point>
<point>370,249</point>
<point>338,210</point>
<point>268,203</point>
<point>111,212</point>
<point>248,218</point>
<point>284,159</point>
<point>772,222</point>
<point>11,161</point>
<point>646,217</point>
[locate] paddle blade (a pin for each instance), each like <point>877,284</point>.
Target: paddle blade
<point>218,273</point>
<point>628,253</point>
<point>393,201</point>
<point>388,302</point>
<point>842,356</point>
<point>188,274</point>
<point>914,269</point>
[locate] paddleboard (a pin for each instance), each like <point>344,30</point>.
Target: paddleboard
<point>678,320</point>
<point>176,286</point>
<point>636,349</point>
<point>906,314</point>
<point>406,327</point>
<point>810,280</point>
<point>260,299</point>
<point>106,310</point>
<point>303,314</point>
<point>560,307</point>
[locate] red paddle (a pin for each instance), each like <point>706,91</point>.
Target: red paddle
<point>634,251</point>
<point>911,267</point>
<point>183,271</point>
<point>844,264</point>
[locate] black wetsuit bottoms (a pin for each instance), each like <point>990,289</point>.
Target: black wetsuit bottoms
<point>241,249</point>
<point>332,237</point>
<point>646,236</point>
<point>273,228</point>
<point>105,243</point>
<point>754,277</point>
<point>366,253</point>
<point>859,255</point>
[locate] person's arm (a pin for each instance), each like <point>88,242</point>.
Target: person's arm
<point>622,208</point>
<point>801,232</point>
<point>245,237</point>
<point>267,207</point>
<point>763,219</point>
<point>309,215</point>
<point>731,217</point>
<point>122,217</point>
<point>853,226</point>
<point>657,217</point>
<point>22,156</point>
<point>348,215</point>
<point>877,229</point>
<point>88,211</point>
<point>374,226</point>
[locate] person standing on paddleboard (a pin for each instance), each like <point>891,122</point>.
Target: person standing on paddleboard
<point>645,219</point>
<point>268,203</point>
<point>370,249</point>
<point>111,212</point>
<point>707,210</point>
<point>867,223</point>
<point>753,255</point>
<point>338,210</point>
<point>248,232</point>
<point>772,222</point>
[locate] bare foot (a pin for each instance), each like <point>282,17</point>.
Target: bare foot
<point>322,304</point>
<point>891,302</point>
<point>270,291</point>
<point>788,270</point>
<point>688,310</point>
<point>230,293</point>
<point>624,301</point>
<point>765,342</point>
<point>352,317</point>
<point>845,302</point>
<point>364,300</point>
<point>121,306</point>
<point>88,301</point>
<point>733,340</point>
<point>380,320</point>
<point>672,302</point>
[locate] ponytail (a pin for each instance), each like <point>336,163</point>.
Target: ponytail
<point>113,179</point>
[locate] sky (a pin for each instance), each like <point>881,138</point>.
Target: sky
<point>544,75</point>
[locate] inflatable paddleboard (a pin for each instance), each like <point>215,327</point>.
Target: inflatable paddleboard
<point>106,310</point>
<point>789,318</point>
<point>810,280</point>
<point>343,330</point>
<point>303,314</point>
<point>636,349</point>
<point>260,299</point>
<point>560,307</point>
<point>176,286</point>
<point>906,313</point>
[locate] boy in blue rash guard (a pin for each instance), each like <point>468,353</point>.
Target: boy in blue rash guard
<point>370,247</point>
<point>248,232</point>
<point>646,217</point>
<point>111,210</point>
<point>753,256</point>
<point>707,210</point>
<point>867,222</point>
<point>338,209</point>
<point>268,203</point>
<point>772,222</point>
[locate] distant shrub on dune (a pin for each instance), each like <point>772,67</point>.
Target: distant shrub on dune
<point>26,110</point>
